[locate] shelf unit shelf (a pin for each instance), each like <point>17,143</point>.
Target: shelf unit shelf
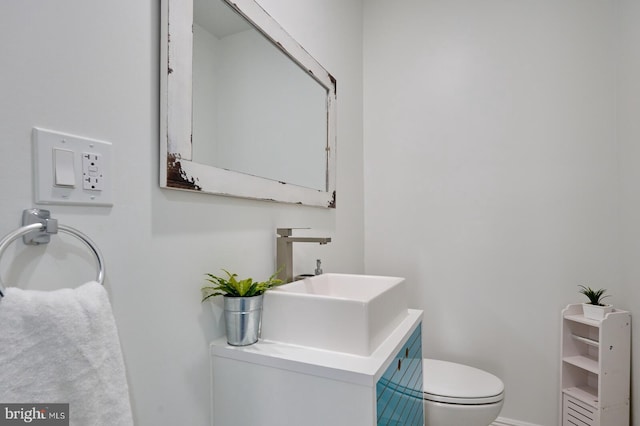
<point>584,362</point>
<point>595,370</point>
<point>581,319</point>
<point>584,393</point>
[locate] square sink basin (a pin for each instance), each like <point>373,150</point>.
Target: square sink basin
<point>337,312</point>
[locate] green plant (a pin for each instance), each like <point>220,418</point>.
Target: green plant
<point>595,296</point>
<point>232,287</point>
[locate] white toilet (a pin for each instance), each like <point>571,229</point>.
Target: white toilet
<point>459,395</point>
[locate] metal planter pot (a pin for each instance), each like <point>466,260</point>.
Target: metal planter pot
<point>242,316</point>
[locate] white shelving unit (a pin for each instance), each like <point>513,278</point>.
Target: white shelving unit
<point>595,371</point>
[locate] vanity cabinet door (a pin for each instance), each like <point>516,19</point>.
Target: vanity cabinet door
<point>399,390</point>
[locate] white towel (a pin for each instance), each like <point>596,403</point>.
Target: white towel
<point>62,347</point>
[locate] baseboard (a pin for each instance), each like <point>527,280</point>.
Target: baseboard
<point>501,421</point>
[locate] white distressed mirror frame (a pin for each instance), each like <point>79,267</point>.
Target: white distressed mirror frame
<point>177,170</point>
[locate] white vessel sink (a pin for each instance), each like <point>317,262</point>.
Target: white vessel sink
<point>336,312</point>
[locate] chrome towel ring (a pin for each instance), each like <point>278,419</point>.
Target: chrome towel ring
<point>37,229</point>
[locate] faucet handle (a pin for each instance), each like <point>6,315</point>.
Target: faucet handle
<point>318,270</point>
<point>286,232</point>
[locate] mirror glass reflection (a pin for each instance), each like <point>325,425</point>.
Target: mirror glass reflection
<point>255,111</point>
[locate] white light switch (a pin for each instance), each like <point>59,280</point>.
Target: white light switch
<point>71,169</point>
<point>65,174</point>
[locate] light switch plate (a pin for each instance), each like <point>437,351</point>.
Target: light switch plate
<point>95,191</point>
<point>64,167</point>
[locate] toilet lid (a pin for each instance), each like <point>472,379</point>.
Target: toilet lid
<point>459,384</point>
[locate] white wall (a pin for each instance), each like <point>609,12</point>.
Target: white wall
<point>628,103</point>
<point>91,68</point>
<point>491,175</point>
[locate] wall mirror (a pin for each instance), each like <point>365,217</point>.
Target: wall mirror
<point>245,110</point>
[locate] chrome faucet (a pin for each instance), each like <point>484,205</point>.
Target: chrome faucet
<point>284,251</point>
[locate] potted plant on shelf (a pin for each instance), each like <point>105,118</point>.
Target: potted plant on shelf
<point>242,304</point>
<point>595,309</point>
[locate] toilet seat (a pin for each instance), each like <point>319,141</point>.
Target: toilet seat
<point>452,383</point>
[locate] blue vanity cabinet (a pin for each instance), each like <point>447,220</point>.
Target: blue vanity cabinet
<point>399,391</point>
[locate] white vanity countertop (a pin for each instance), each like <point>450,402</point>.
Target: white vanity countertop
<point>363,370</point>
